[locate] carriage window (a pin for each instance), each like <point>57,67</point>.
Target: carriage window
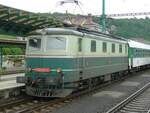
<point>113,48</point>
<point>34,44</point>
<point>104,47</point>
<point>56,43</point>
<point>79,44</point>
<point>120,48</point>
<point>93,46</point>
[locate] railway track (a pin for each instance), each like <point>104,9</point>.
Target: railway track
<point>29,105</point>
<point>139,102</point>
<point>49,106</point>
<point>19,105</point>
<point>46,106</point>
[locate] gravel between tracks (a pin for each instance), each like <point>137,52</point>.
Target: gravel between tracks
<point>107,97</point>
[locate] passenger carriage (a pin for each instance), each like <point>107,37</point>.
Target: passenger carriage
<point>139,54</point>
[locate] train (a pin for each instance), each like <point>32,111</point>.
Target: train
<point>60,61</point>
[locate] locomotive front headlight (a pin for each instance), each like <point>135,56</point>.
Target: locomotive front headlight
<point>28,69</point>
<point>59,70</point>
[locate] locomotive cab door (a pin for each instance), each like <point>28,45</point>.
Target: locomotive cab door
<point>80,58</point>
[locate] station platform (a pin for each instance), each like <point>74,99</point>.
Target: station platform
<point>9,81</point>
<point>9,86</point>
<point>10,76</point>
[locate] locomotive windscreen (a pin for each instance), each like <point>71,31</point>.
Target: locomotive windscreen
<point>56,43</point>
<point>34,44</point>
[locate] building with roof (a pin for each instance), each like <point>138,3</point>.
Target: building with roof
<point>84,21</point>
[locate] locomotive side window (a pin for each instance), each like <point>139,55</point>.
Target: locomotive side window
<point>56,43</point>
<point>79,44</point>
<point>104,47</point>
<point>113,48</point>
<point>34,44</point>
<point>120,48</point>
<point>93,46</point>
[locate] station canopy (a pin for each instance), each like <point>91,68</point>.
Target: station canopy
<point>22,22</point>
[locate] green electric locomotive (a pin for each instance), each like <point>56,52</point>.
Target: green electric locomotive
<point>60,61</point>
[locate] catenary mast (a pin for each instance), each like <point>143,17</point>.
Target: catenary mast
<point>103,17</point>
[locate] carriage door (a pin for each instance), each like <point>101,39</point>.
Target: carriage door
<point>80,57</point>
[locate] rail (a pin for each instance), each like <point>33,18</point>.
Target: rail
<point>129,99</point>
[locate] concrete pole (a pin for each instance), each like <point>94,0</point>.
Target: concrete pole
<point>103,17</point>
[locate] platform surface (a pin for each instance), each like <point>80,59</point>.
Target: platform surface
<point>10,76</point>
<point>9,81</point>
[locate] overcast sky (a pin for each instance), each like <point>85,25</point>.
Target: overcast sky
<point>89,6</point>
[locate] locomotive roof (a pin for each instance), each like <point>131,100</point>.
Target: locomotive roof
<point>54,31</point>
<point>77,32</point>
<point>136,44</point>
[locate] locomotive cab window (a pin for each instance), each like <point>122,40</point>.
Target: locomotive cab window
<point>56,43</point>
<point>93,46</point>
<point>34,44</point>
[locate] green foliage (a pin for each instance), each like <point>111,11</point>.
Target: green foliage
<point>6,51</point>
<point>13,51</point>
<point>96,19</point>
<point>129,28</point>
<point>16,51</point>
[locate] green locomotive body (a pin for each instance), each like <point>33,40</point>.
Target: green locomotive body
<point>60,61</point>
